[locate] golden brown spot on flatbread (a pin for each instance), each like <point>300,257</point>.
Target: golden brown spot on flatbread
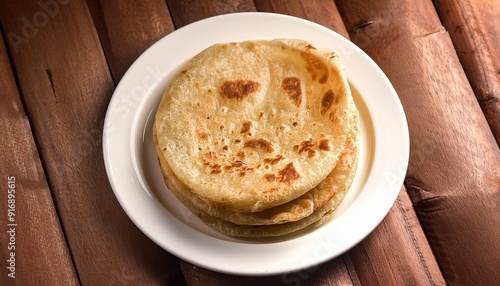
<point>237,141</point>
<point>225,148</point>
<point>238,89</point>
<point>202,135</point>
<point>274,160</point>
<point>291,85</point>
<point>270,177</point>
<point>260,143</point>
<point>238,166</point>
<point>241,155</point>
<point>211,155</point>
<point>327,101</point>
<point>234,165</point>
<point>216,169</point>
<point>197,84</point>
<point>246,126</point>
<point>310,146</point>
<point>286,175</point>
<point>306,147</point>
<point>324,144</point>
<point>208,161</point>
<point>317,68</point>
<point>272,190</point>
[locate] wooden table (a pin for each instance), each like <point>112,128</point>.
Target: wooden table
<point>61,60</point>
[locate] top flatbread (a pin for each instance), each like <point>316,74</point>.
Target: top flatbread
<point>255,124</point>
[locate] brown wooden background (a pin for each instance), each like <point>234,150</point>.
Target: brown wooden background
<point>60,61</point>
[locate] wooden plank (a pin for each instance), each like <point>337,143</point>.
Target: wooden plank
<point>333,272</point>
<point>323,12</point>
<point>30,228</point>
<point>66,86</point>
<point>453,177</point>
<point>401,227</point>
<point>397,252</point>
<point>186,12</point>
<point>127,28</point>
<point>474,27</point>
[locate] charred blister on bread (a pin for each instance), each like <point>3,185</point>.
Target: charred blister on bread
<point>316,67</point>
<point>259,143</point>
<point>238,89</point>
<point>286,175</point>
<point>293,88</point>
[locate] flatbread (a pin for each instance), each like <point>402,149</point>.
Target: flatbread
<point>252,125</point>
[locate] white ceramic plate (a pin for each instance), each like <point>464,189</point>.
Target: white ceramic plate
<point>135,177</point>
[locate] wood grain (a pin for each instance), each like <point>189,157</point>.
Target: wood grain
<point>127,28</point>
<point>333,272</point>
<point>66,86</point>
<point>323,12</point>
<point>397,252</point>
<point>186,12</point>
<point>34,235</point>
<point>474,27</point>
<point>453,177</point>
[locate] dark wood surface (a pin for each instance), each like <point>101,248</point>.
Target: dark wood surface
<point>61,60</point>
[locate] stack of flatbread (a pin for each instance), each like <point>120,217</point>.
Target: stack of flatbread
<point>259,138</point>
